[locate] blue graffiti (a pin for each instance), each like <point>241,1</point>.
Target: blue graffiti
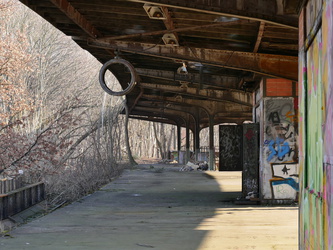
<point>289,181</point>
<point>266,142</point>
<point>281,150</point>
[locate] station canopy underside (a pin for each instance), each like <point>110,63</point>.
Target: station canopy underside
<point>193,59</point>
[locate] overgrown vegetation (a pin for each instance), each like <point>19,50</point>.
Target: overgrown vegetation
<point>52,126</point>
<point>56,123</point>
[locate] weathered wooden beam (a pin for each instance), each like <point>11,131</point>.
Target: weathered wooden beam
<point>264,10</point>
<point>239,97</point>
<point>271,65</point>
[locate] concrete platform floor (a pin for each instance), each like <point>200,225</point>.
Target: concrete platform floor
<point>161,208</point>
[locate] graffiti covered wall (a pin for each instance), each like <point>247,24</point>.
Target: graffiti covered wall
<point>327,27</point>
<point>278,170</point>
<point>250,175</point>
<point>316,123</point>
<point>230,158</point>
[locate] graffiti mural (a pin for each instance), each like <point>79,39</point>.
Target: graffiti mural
<point>316,173</point>
<point>280,146</point>
<point>285,182</point>
<point>280,134</point>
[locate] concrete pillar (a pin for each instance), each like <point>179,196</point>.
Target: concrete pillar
<point>211,163</point>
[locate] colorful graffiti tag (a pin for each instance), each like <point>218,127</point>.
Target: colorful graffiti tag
<point>316,172</point>
<point>280,146</point>
<point>285,183</point>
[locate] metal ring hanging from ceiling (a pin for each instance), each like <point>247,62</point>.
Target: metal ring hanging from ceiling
<point>125,63</point>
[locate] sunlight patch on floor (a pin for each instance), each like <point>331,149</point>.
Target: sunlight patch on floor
<point>251,228</point>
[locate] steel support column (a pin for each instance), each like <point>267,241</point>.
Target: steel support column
<point>211,143</point>
<point>179,128</point>
<point>197,138</point>
<point>187,155</point>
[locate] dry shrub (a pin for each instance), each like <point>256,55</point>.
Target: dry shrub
<point>73,183</point>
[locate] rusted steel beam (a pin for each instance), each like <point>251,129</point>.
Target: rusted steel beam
<point>168,22</point>
<point>239,97</point>
<point>189,109</point>
<point>76,17</point>
<point>259,37</point>
<point>164,113</point>
<point>161,32</point>
<point>184,117</point>
<point>160,104</point>
<point>165,119</point>
<point>218,120</point>
<point>154,119</point>
<point>264,10</point>
<point>136,100</point>
<point>271,65</point>
<point>284,46</point>
<point>171,110</point>
<point>212,107</point>
<point>225,118</point>
<point>208,80</point>
<point>186,113</point>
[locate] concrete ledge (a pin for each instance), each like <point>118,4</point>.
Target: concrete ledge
<point>22,217</point>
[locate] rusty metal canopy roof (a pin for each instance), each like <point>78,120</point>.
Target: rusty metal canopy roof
<point>225,45</point>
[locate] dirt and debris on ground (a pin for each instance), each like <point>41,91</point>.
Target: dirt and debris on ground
<point>159,207</point>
